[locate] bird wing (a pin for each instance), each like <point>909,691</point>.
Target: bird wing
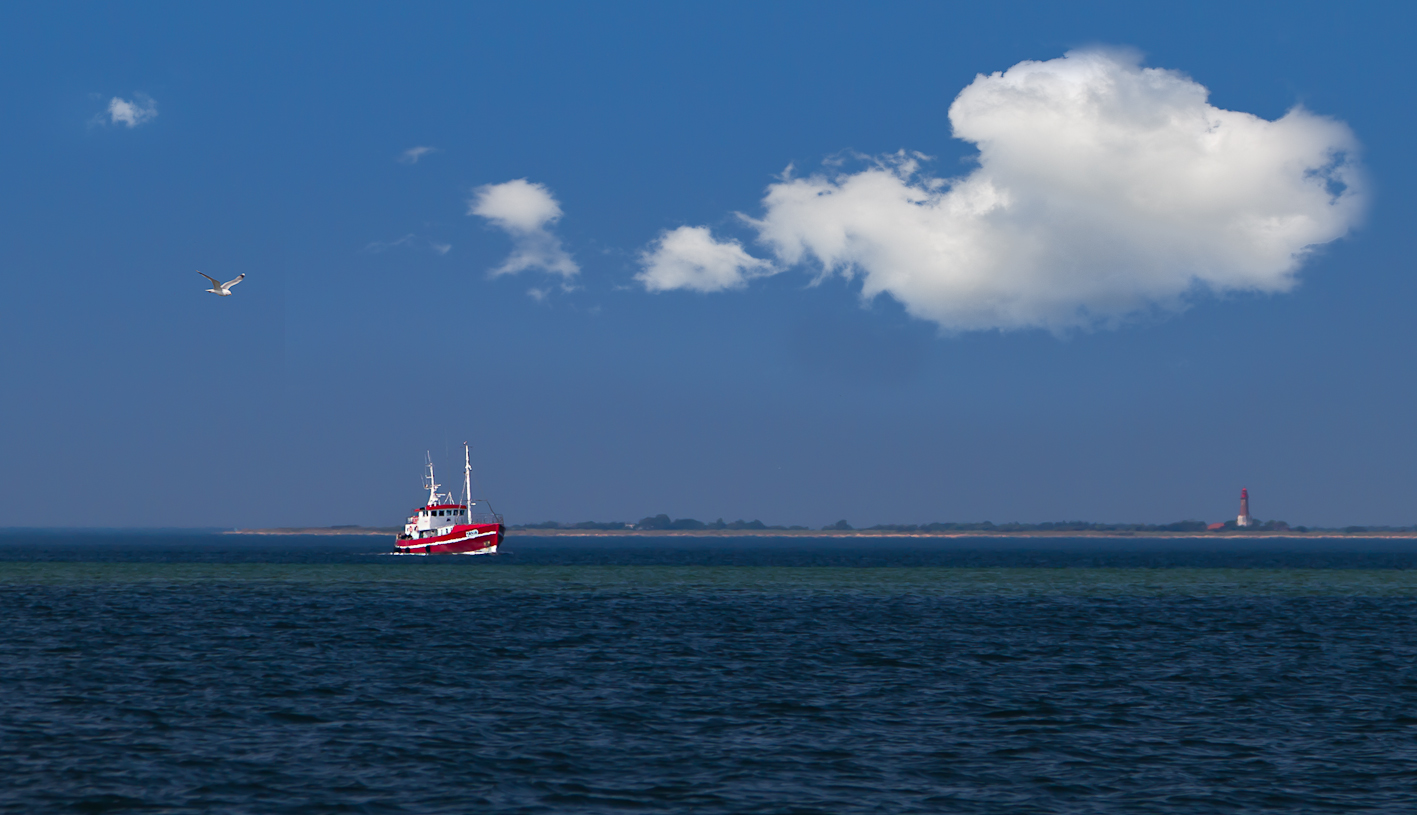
<point>238,279</point>
<point>215,284</point>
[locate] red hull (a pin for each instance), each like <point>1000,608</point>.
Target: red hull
<point>477,539</point>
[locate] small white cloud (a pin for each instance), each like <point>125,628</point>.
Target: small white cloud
<point>516,206</point>
<point>524,210</point>
<point>134,113</point>
<point>690,258</point>
<point>413,154</point>
<point>1102,190</point>
<point>440,248</point>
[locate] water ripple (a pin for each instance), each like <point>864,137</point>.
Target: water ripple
<point>414,687</point>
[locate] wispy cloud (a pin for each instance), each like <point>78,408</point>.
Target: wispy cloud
<point>123,112</point>
<point>413,154</point>
<point>1103,190</point>
<point>410,240</point>
<point>525,211</point>
<point>381,246</point>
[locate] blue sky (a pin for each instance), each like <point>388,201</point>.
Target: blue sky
<point>267,140</point>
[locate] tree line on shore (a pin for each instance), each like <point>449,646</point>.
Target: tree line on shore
<point>663,522</point>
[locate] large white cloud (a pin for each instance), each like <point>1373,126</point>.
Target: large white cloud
<point>1103,189</point>
<point>525,211</point>
<point>691,258</point>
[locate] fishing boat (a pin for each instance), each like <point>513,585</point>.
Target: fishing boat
<point>443,526</point>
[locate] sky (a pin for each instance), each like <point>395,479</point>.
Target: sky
<point>798,262</point>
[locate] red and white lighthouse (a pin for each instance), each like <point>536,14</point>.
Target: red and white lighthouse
<point>1244,519</point>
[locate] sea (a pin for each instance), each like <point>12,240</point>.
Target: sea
<point>174,672</point>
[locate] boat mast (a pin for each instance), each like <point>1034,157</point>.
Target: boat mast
<point>432,485</point>
<point>467,479</point>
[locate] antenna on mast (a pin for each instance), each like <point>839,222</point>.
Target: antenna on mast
<point>432,485</point>
<point>467,479</point>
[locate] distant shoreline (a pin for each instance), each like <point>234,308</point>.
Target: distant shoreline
<point>886,533</point>
<point>826,533</point>
<point>317,530</point>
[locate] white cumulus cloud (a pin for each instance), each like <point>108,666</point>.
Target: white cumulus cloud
<point>690,258</point>
<point>525,210</point>
<point>1103,189</point>
<point>132,114</point>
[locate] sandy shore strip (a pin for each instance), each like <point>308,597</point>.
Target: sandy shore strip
<point>389,531</point>
<point>886,533</point>
<point>826,533</point>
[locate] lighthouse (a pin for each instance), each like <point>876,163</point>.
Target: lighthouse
<point>1244,519</point>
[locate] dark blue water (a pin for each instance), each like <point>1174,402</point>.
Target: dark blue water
<point>181,674</point>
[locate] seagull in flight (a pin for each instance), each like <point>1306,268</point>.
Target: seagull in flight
<point>222,289</point>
